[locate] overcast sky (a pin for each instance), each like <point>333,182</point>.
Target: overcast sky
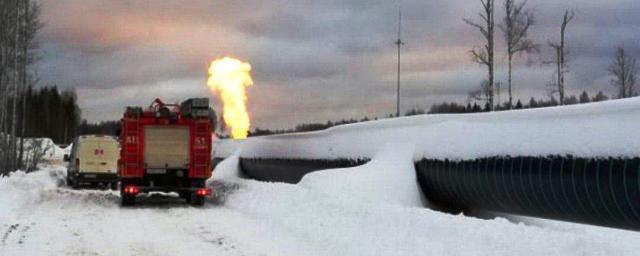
<point>312,60</point>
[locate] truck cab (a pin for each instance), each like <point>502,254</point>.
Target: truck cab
<point>93,161</point>
<point>166,148</point>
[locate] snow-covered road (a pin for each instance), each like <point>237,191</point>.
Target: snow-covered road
<point>323,215</point>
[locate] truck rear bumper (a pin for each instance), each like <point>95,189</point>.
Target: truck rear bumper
<point>167,189</point>
<point>86,177</point>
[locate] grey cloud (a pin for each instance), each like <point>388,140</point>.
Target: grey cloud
<point>325,59</point>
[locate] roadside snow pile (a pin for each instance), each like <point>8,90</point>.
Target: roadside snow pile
<point>335,212</point>
<point>603,129</point>
<point>51,151</point>
<point>377,209</point>
<point>389,178</point>
<point>38,217</point>
<point>22,190</point>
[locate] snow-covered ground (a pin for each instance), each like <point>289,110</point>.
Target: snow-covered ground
<point>374,209</point>
<point>335,212</point>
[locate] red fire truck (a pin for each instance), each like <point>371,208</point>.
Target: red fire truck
<point>166,148</point>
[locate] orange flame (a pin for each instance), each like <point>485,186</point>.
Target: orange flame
<point>229,77</point>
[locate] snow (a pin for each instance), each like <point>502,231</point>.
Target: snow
<point>338,212</point>
<point>604,129</point>
<point>52,151</point>
<point>39,216</point>
<point>372,209</point>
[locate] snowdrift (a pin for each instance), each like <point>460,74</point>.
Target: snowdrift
<point>40,216</point>
<point>596,145</point>
<point>595,130</point>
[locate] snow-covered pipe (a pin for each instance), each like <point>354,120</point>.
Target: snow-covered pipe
<point>601,191</point>
<point>594,133</point>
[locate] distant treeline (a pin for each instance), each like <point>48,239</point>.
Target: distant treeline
<point>442,108</point>
<point>106,128</point>
<point>456,108</point>
<point>306,127</point>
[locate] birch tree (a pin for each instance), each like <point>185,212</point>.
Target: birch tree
<point>485,54</point>
<point>561,66</point>
<point>515,27</point>
<point>19,23</point>
<point>624,69</point>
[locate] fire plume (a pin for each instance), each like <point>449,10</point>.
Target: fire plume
<point>229,77</point>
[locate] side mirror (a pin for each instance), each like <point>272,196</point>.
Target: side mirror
<point>66,158</point>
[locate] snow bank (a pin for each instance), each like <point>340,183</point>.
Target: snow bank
<point>595,130</point>
<point>604,129</point>
<point>52,151</point>
<point>340,212</point>
<point>389,178</point>
<point>38,217</point>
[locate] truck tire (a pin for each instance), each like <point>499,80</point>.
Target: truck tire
<point>196,200</point>
<point>126,200</point>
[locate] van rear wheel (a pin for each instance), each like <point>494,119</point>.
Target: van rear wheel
<point>186,196</point>
<point>74,184</point>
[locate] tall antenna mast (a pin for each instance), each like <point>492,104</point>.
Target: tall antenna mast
<point>399,43</point>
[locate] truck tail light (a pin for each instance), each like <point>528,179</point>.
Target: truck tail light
<point>132,190</point>
<point>203,192</point>
<point>77,163</point>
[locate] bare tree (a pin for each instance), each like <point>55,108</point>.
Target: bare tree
<point>485,55</point>
<point>515,27</point>
<point>13,160</point>
<point>624,69</point>
<point>560,62</point>
<point>31,24</point>
<point>36,150</point>
<point>483,94</point>
<point>19,23</point>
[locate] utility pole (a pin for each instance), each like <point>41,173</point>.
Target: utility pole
<point>399,43</point>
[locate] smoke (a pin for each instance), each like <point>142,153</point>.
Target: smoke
<point>229,78</point>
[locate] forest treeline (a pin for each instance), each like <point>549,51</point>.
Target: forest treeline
<point>48,113</point>
<point>456,108</point>
<point>442,108</point>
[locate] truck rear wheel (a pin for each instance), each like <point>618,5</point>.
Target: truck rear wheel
<point>197,200</point>
<point>127,200</point>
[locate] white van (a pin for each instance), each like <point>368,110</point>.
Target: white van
<point>93,161</point>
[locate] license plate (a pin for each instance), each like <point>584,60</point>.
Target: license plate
<point>89,175</point>
<point>156,171</point>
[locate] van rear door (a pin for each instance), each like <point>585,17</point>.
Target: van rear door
<point>98,155</point>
